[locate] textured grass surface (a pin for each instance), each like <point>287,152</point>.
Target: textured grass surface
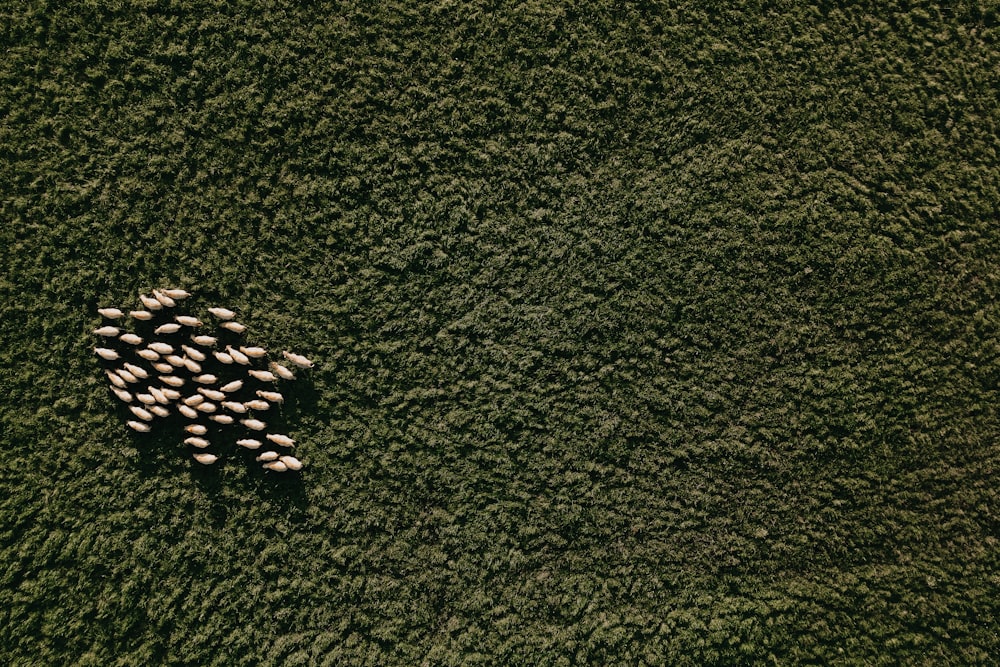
<point>646,332</point>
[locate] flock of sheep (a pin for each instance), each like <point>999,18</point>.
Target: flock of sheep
<point>176,368</point>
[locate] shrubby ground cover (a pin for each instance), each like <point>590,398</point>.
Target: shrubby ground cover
<point>647,332</point>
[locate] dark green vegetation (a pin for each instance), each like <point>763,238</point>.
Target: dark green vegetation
<point>646,332</point>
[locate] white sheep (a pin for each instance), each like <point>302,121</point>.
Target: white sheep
<point>159,411</point>
<point>116,380</point>
<point>122,395</point>
<point>190,413</point>
<point>174,360</point>
<point>148,355</point>
<point>257,405</point>
<point>196,429</point>
<point>211,394</point>
<point>146,399</point>
<point>291,462</point>
<point>222,419</point>
<point>254,424</point>
<point>158,395</point>
<point>207,378</point>
<point>172,381</point>
<point>106,353</point>
<point>207,407</point>
<point>195,441</point>
<point>238,356</point>
<point>137,371</point>
<point>233,406</point>
<point>125,375</point>
<point>138,426</point>
<point>150,303</point>
<point>222,357</point>
<point>188,321</point>
<point>268,456</point>
<point>143,315</point>
<point>192,365</point>
<point>272,396</point>
<point>194,399</point>
<point>164,299</point>
<point>168,328</point>
<point>281,371</point>
<point>111,313</point>
<point>297,359</point>
<point>206,341</point>
<point>279,439</point>
<point>172,394</point>
<point>254,352</point>
<point>235,385</point>
<point>177,294</point>
<point>235,327</point>
<point>161,348</point>
<point>222,313</point>
<point>162,367</point>
<point>197,355</point>
<point>276,466</point>
<point>250,443</point>
<point>141,413</point>
<point>205,458</point>
<point>263,376</point>
<point>130,339</point>
<point>107,331</point>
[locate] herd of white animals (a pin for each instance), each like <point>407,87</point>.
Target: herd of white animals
<point>155,378</point>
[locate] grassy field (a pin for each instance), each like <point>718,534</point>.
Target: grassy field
<point>646,332</point>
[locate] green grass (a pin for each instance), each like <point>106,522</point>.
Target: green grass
<point>645,332</point>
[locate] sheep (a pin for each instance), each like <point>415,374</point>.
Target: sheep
<point>207,407</point>
<point>138,426</point>
<point>190,413</point>
<point>276,466</point>
<point>161,348</point>
<point>223,357</point>
<point>122,395</point>
<point>253,352</point>
<point>168,328</point>
<point>159,411</point>
<point>162,367</point>
<point>174,360</point>
<point>107,332</point>
<point>281,371</point>
<point>177,294</point>
<point>194,399</point>
<point>111,313</point>
<point>130,339</point>
<point>235,385</point>
<point>193,353</point>
<point>148,355</point>
<point>205,458</point>
<point>222,313</point>
<point>143,315</point>
<point>291,462</point>
<point>211,394</point>
<point>158,395</point>
<point>141,413</point>
<point>297,359</point>
<point>206,341</point>
<point>137,371</point>
<point>250,443</point>
<point>116,380</point>
<point>106,353</point>
<point>268,456</point>
<point>233,406</point>
<point>254,424</point>
<point>172,380</point>
<point>196,429</point>
<point>238,356</point>
<point>125,375</point>
<point>279,439</point>
<point>164,299</point>
<point>235,327</point>
<point>271,396</point>
<point>150,303</point>
<point>222,419</point>
<point>257,405</point>
<point>208,378</point>
<point>171,394</point>
<point>195,441</point>
<point>263,376</point>
<point>146,399</point>
<point>192,365</point>
<point>188,321</point>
